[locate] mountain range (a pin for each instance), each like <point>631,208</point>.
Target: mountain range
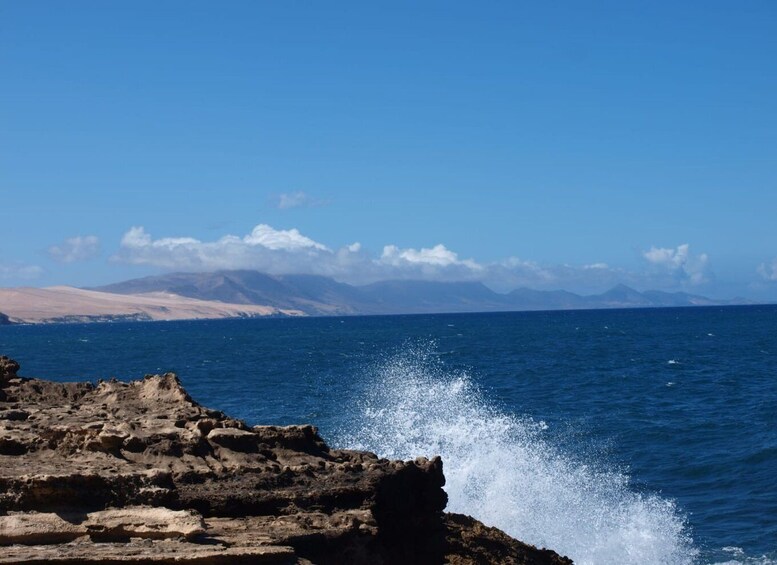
<point>319,295</point>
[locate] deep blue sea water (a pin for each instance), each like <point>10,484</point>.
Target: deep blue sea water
<point>619,436</point>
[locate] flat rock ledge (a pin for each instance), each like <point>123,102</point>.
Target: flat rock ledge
<point>140,473</point>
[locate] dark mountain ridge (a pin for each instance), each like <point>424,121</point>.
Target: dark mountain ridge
<point>319,295</point>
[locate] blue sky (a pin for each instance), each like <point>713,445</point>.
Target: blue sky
<point>552,145</point>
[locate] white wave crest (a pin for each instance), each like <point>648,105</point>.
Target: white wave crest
<point>500,470</point>
<point>738,557</point>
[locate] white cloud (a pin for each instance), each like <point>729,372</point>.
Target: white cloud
<point>280,239</point>
<point>528,269</point>
<point>514,273</point>
<point>292,200</point>
<point>136,236</point>
<point>78,248</point>
<point>20,272</point>
<point>298,199</point>
<point>679,263</point>
<point>427,263</point>
<point>768,270</point>
<point>289,251</point>
<point>438,256</point>
<point>265,249</point>
<point>278,251</point>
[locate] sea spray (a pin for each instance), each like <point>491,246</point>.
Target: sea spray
<point>500,469</point>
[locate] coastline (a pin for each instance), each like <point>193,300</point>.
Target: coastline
<point>74,305</point>
<point>139,472</point>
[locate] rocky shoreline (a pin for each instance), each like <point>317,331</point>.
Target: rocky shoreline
<point>138,472</point>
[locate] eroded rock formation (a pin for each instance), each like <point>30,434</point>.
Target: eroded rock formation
<point>140,473</point>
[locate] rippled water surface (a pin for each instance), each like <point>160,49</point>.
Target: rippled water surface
<point>623,436</point>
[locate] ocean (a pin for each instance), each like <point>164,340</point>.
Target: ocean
<point>612,436</point>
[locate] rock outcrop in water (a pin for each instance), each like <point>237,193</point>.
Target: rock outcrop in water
<point>140,473</point>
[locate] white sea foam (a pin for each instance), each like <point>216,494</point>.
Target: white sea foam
<point>740,560</point>
<point>738,557</point>
<point>501,470</point>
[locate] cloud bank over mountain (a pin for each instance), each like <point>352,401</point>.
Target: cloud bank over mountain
<point>680,263</point>
<point>279,251</point>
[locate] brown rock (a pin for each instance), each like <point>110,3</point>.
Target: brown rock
<point>139,472</point>
<point>8,369</point>
<point>32,528</point>
<point>471,543</point>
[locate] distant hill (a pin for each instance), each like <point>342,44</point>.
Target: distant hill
<point>529,299</point>
<point>60,304</point>
<point>310,293</point>
<point>428,297</point>
<point>318,295</point>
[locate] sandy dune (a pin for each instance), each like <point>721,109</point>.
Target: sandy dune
<point>68,304</point>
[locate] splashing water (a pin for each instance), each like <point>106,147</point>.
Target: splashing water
<point>499,469</point>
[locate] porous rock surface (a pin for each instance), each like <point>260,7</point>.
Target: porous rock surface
<point>140,473</point>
